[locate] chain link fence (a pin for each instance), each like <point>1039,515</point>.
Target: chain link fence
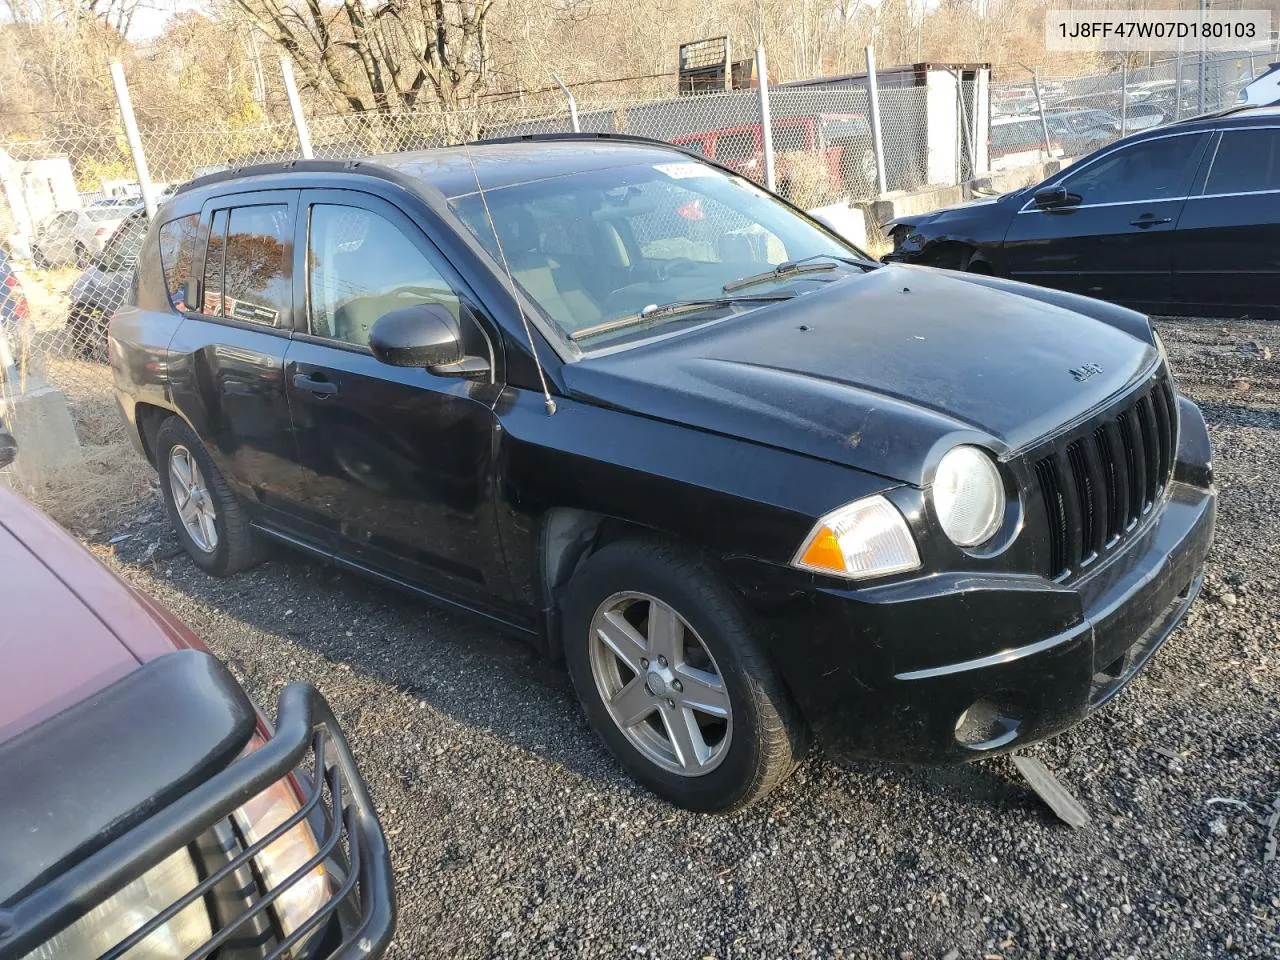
<point>1080,114</point>
<point>71,219</point>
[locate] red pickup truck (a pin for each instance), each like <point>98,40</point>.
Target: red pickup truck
<point>841,141</point>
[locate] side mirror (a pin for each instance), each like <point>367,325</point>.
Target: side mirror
<point>1052,198</point>
<point>423,335</point>
<point>182,298</point>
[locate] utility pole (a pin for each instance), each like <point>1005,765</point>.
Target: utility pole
<point>1204,8</point>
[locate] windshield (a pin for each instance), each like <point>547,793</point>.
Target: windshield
<point>599,246</point>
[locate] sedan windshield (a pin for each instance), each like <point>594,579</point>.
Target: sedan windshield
<point>624,243</point>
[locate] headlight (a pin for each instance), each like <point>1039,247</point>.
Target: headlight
<point>968,496</point>
<point>257,818</point>
<point>866,538</point>
<point>129,908</point>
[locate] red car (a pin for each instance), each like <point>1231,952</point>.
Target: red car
<point>147,808</point>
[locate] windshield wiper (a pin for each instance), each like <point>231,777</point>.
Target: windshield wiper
<point>655,313</point>
<point>793,268</point>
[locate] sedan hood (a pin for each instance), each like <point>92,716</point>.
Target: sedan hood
<point>880,371</point>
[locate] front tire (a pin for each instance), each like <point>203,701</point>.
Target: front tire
<point>207,516</point>
<point>673,679</point>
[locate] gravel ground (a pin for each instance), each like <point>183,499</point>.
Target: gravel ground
<point>514,834</point>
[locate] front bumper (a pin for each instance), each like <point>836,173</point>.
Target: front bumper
<point>875,669</point>
<point>357,920</point>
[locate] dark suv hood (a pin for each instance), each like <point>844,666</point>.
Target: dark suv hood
<point>881,371</point>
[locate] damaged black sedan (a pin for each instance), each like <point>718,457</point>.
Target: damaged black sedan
<point>751,486</point>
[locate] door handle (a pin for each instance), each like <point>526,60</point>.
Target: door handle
<point>321,388</point>
<point>1149,221</point>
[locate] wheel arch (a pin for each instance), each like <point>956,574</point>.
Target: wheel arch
<point>569,535</point>
<point>147,418</point>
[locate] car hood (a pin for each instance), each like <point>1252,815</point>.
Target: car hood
<point>61,643</point>
<point>960,212</point>
<point>881,371</point>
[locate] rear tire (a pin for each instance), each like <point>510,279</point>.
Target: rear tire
<point>206,515</point>
<point>680,746</point>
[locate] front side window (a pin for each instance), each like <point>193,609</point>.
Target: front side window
<point>662,232</point>
<point>1154,170</point>
<point>1247,161</point>
<point>246,265</point>
<point>361,266</point>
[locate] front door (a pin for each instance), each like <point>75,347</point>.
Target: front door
<point>1115,241</point>
<point>1227,246</point>
<point>400,461</point>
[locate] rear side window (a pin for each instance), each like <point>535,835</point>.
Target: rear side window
<point>1247,160</point>
<point>246,266</point>
<point>177,248</point>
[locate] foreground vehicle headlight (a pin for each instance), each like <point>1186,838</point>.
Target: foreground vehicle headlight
<point>133,905</point>
<point>866,538</point>
<point>277,862</point>
<point>968,496</point>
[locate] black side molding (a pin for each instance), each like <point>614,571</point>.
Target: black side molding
<point>72,784</point>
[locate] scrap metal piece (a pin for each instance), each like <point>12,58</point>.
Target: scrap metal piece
<point>1066,807</point>
<point>1269,849</point>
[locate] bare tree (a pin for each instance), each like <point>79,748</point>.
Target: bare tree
<point>384,56</point>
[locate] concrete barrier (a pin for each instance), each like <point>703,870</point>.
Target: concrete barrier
<point>903,203</point>
<point>39,420</point>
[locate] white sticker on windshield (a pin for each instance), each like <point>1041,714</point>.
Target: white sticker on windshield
<point>684,171</point>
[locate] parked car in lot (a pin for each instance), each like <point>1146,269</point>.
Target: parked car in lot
<point>149,809</point>
<point>1263,90</point>
<point>103,286</point>
<point>1082,131</point>
<point>771,488</point>
<point>74,236</point>
<point>1182,219</point>
<point>1018,140</point>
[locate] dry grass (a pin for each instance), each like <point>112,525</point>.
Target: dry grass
<point>102,493</point>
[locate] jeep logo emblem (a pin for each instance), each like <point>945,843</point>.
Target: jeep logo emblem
<point>1085,371</point>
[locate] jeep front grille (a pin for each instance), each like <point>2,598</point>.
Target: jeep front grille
<point>1098,483</point>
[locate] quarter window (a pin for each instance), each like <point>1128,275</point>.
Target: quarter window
<point>177,247</point>
<point>1247,160</point>
<point>361,266</point>
<point>1154,170</point>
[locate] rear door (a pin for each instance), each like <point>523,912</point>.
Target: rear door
<point>1227,245</point>
<point>227,357</point>
<point>1116,243</point>
<point>399,460</point>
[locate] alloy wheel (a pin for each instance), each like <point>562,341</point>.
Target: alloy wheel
<point>660,684</point>
<point>192,498</point>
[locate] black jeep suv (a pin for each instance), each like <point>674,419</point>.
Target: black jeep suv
<point>749,484</point>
